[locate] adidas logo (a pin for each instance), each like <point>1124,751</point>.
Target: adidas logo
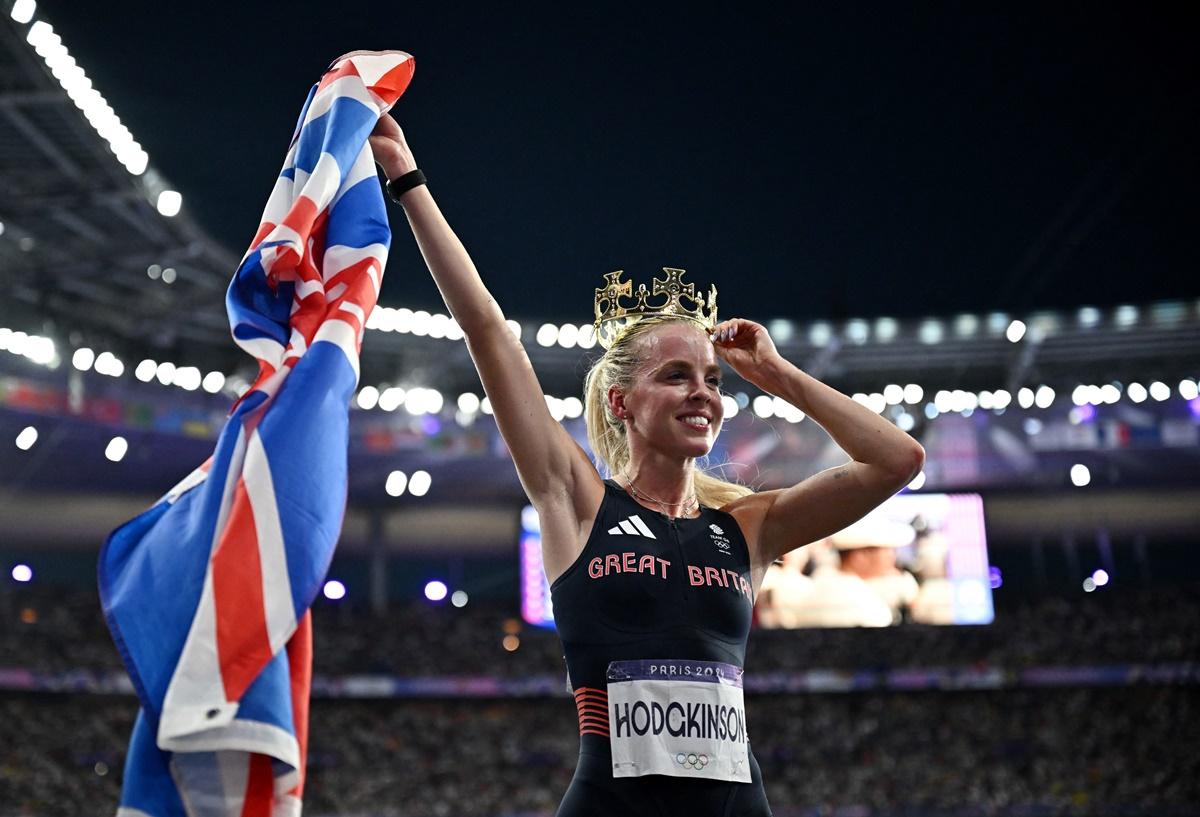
<point>634,526</point>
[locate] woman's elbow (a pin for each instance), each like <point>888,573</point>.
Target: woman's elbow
<point>909,463</point>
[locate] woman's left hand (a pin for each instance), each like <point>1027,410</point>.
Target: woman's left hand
<point>746,346</point>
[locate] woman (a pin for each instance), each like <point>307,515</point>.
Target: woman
<point>654,572</point>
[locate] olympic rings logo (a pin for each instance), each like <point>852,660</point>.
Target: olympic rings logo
<point>691,760</point>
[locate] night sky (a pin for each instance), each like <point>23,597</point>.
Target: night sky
<point>828,162</point>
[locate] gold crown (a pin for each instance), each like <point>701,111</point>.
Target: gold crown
<point>612,317</point>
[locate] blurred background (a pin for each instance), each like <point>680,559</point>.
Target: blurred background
<point>979,222</point>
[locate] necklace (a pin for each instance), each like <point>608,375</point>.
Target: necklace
<point>684,508</point>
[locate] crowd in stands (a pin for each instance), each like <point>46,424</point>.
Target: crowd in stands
<point>1025,753</point>
<point>49,630</point>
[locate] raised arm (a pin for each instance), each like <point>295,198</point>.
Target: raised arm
<point>883,459</point>
<point>556,473</point>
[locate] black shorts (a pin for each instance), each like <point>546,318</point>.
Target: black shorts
<point>594,792</point>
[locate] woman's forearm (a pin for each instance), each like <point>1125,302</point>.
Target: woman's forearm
<point>860,432</point>
<point>453,271</point>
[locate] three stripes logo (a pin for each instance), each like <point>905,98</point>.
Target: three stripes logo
<point>634,526</point>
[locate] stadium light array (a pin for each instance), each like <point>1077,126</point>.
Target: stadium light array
<point>21,573</point>
<point>1188,389</point>
<point>78,87</point>
<point>36,348</point>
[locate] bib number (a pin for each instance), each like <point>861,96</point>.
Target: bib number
<point>678,718</point>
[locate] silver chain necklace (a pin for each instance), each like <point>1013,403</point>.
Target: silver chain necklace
<point>684,509</point>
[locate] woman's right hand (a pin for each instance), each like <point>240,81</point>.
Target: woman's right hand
<point>392,152</point>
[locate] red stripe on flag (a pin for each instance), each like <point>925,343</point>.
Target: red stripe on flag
<point>260,788</point>
<point>299,650</point>
<point>346,69</point>
<point>243,646</point>
<point>391,85</point>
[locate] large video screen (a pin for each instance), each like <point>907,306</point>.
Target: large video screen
<point>917,557</point>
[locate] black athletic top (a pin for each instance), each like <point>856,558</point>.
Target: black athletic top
<point>647,586</point>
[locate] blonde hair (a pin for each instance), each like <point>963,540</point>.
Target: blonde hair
<point>606,433</point>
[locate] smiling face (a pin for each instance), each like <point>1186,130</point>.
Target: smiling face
<point>673,405</point>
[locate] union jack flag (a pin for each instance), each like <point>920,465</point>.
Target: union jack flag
<point>207,593</point>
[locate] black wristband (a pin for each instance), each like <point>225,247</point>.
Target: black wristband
<point>400,185</point>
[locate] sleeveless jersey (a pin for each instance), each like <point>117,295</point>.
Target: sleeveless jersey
<point>646,586</point>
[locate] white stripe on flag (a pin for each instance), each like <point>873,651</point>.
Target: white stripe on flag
<point>362,169</point>
<point>344,336</point>
<point>343,88</point>
<point>276,584</point>
<point>323,184</point>
<point>339,257</point>
<point>641,526</point>
<point>628,528</point>
<point>353,309</point>
<point>371,67</point>
<point>196,687</point>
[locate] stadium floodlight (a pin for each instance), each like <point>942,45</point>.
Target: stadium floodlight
<point>1125,316</point>
<point>930,331</point>
<point>468,402</point>
<point>27,438</point>
<point>396,483</point>
<point>1015,331</point>
<point>764,406</point>
<point>1188,389</point>
<point>728,404</point>
<point>213,382</point>
<point>169,203</point>
<point>459,598</point>
<point>1080,475</point>
<point>116,449</point>
<point>913,394</point>
<point>334,590</point>
<point>515,328</point>
<point>893,393</point>
<point>1044,397</point>
<point>966,324</point>
<point>165,372</point>
<point>419,483</point>
<point>23,11</point>
<point>1160,391</point>
<point>820,333</point>
<point>573,407</point>
<point>435,590</point>
<point>368,398</point>
<point>83,358</point>
<point>22,573</point>
<point>568,335</point>
<point>421,321</point>
<point>168,275</point>
<point>547,334</point>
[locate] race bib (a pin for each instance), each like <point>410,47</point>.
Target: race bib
<point>679,718</point>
